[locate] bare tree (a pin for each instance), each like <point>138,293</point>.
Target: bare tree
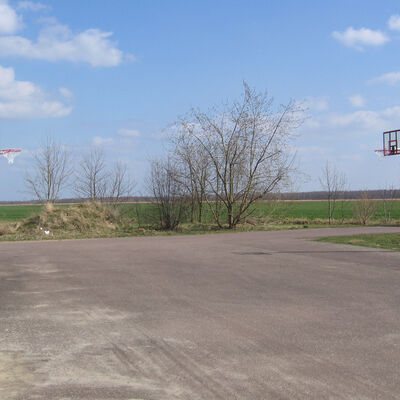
<point>333,182</point>
<point>95,181</point>
<point>191,166</point>
<point>247,148</point>
<point>119,183</point>
<point>389,194</point>
<point>365,208</point>
<point>168,194</point>
<point>92,176</point>
<point>50,172</point>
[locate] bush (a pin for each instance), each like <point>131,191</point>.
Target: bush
<point>365,208</point>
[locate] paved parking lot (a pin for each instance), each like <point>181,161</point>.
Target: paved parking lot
<point>262,315</point>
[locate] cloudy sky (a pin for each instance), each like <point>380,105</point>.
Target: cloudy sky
<point>116,73</point>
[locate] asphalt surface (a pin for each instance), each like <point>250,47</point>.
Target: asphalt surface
<point>263,315</point>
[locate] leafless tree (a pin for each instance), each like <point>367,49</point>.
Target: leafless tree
<point>389,194</point>
<point>119,183</point>
<point>191,167</point>
<point>95,181</point>
<point>365,208</point>
<point>246,145</point>
<point>50,172</point>
<point>334,183</point>
<point>92,176</point>
<point>168,194</point>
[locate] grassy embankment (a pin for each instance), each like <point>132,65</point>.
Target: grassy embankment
<point>23,222</point>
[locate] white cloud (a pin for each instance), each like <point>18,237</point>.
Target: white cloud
<point>99,141</point>
<point>56,42</point>
<point>128,132</point>
<point>360,123</point>
<point>357,101</point>
<point>66,93</point>
<point>316,103</point>
<point>313,150</point>
<point>23,99</point>
<point>394,23</point>
<point>31,6</point>
<point>10,22</point>
<point>391,78</point>
<point>364,119</point>
<point>358,38</point>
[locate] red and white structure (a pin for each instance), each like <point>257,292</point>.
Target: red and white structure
<point>10,154</point>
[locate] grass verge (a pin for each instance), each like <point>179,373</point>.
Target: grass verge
<point>96,220</point>
<point>390,241</point>
<point>296,212</point>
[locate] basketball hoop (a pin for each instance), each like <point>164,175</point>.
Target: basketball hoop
<point>391,143</point>
<point>10,154</point>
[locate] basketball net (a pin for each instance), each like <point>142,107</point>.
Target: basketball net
<point>10,154</point>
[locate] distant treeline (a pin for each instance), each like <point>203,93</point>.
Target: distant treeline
<point>346,195</point>
<point>321,195</point>
<point>132,199</point>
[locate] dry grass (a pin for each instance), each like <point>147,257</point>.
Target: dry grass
<point>83,220</point>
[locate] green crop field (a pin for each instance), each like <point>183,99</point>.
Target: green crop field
<point>18,212</point>
<point>312,210</point>
<point>274,211</point>
<point>288,210</point>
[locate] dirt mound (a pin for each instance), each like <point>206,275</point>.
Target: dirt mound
<point>87,217</point>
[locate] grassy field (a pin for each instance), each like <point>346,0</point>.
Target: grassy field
<point>312,210</point>
<point>18,212</point>
<point>382,241</point>
<point>274,211</point>
<point>297,212</point>
<point>25,222</point>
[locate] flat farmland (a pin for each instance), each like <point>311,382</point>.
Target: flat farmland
<point>18,212</point>
<point>276,210</point>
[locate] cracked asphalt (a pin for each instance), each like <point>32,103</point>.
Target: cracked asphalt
<point>260,315</point>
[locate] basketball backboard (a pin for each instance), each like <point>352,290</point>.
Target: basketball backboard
<point>391,143</point>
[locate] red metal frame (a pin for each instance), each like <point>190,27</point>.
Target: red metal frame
<point>391,143</point>
<point>10,154</point>
<point>5,151</point>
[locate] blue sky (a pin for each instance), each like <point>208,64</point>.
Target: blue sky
<point>116,73</point>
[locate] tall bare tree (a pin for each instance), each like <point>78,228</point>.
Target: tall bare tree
<point>333,182</point>
<point>119,183</point>
<point>92,176</point>
<point>247,147</point>
<point>97,182</point>
<point>50,172</point>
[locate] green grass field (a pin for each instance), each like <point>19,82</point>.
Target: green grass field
<point>382,241</point>
<point>312,210</point>
<point>287,212</point>
<point>274,211</point>
<point>27,222</point>
<point>18,212</point>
